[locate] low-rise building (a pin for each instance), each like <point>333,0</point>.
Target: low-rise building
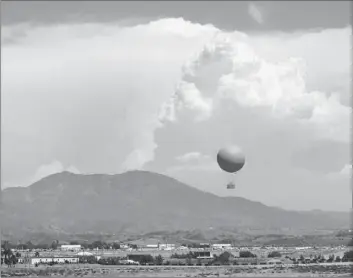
<point>203,254</point>
<point>145,244</point>
<point>124,246</point>
<point>70,247</point>
<point>47,260</point>
<point>166,246</point>
<point>221,246</point>
<point>204,245</point>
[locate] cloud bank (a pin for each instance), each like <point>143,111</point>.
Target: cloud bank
<point>107,98</point>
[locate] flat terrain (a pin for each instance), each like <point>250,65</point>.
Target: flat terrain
<point>166,254</point>
<point>313,270</point>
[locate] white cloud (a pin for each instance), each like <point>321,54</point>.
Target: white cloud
<point>253,82</point>
<point>266,107</point>
<point>97,104</point>
<point>89,95</point>
<point>203,166</point>
<point>255,12</point>
<point>52,168</point>
<point>327,70</point>
<point>346,170</point>
<point>342,177</point>
<point>193,162</point>
<point>46,170</point>
<point>191,156</point>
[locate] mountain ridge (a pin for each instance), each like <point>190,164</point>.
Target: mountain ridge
<point>140,202</point>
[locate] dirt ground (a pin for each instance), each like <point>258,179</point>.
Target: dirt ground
<point>181,271</point>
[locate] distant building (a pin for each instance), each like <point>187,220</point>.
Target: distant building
<point>274,261</point>
<point>221,246</point>
<point>124,246</point>
<point>43,260</point>
<point>145,244</point>
<point>205,245</point>
<point>203,254</point>
<point>166,246</point>
<point>84,254</point>
<point>303,248</point>
<point>70,247</point>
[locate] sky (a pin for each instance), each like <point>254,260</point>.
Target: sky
<point>106,87</point>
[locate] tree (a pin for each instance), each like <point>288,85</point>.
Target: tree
<point>338,259</point>
<point>158,260</point>
<point>6,245</point>
<point>146,259</point>
<point>7,256</point>
<point>99,244</point>
<point>274,254</point>
<point>37,254</point>
<point>349,254</point>
<point>331,258</point>
<point>224,257</point>
<point>116,245</point>
<point>54,244</point>
<point>13,260</point>
<point>246,254</point>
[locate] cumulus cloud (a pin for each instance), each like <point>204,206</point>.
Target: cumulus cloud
<point>191,156</point>
<point>44,171</point>
<point>255,13</point>
<point>91,106</point>
<point>200,167</point>
<point>262,105</point>
<point>193,162</point>
<point>342,176</point>
<point>53,168</point>
<point>326,53</point>
<point>250,81</point>
<point>140,96</point>
<point>346,170</point>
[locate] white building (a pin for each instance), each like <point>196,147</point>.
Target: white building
<point>166,246</point>
<point>84,254</point>
<point>222,246</point>
<point>124,246</point>
<point>39,260</point>
<point>70,247</point>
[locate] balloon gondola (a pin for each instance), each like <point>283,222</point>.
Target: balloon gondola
<point>231,185</point>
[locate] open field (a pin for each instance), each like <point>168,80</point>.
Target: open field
<point>313,270</point>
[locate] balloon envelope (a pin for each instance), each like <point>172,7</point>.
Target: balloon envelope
<point>231,159</point>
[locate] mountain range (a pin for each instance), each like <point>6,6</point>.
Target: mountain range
<point>140,202</point>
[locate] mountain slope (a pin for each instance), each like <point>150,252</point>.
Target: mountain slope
<point>139,202</point>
